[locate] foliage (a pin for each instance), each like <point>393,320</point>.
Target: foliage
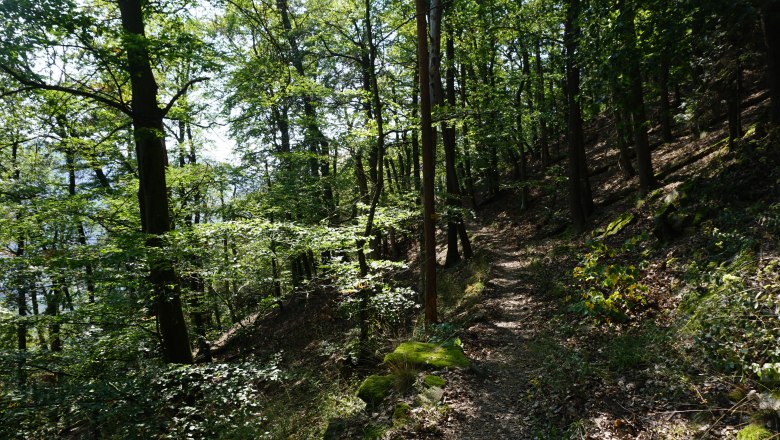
<point>607,289</point>
<point>737,294</point>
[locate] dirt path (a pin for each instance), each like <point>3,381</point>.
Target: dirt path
<point>495,400</point>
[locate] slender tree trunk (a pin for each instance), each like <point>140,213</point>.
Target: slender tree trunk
<point>521,146</point>
<point>70,162</point>
<point>53,300</point>
<point>770,22</point>
<point>636,102</point>
<point>428,165</point>
<point>575,135</point>
<point>735,104</point>
<point>152,160</point>
<point>663,102</point>
<point>543,142</point>
<point>365,294</point>
<point>448,137</point>
<point>472,193</point>
<point>21,298</point>
<point>313,137</point>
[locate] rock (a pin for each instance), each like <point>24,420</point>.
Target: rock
<point>422,354</point>
<point>770,400</point>
<point>431,396</point>
<point>401,414</point>
<point>434,381</point>
<point>669,223</point>
<point>375,388</point>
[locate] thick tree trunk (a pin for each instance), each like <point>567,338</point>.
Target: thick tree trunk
<point>152,160</point>
<point>575,134</point>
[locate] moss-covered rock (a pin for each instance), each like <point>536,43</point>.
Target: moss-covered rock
<point>754,432</point>
<point>434,381</point>
<point>428,355</point>
<point>375,388</point>
<point>429,397</point>
<point>401,414</point>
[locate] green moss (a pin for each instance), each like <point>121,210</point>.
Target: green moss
<point>434,381</point>
<point>428,355</point>
<point>754,432</point>
<point>618,224</point>
<point>375,388</point>
<point>401,414</point>
<point>737,394</point>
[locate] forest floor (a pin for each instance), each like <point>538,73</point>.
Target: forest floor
<point>541,369</point>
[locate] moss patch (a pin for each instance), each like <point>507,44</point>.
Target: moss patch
<point>428,355</point>
<point>434,381</point>
<point>401,414</point>
<point>375,388</point>
<point>754,432</point>
<point>618,224</point>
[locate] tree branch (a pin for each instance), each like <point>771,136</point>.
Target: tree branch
<point>181,93</point>
<point>32,84</point>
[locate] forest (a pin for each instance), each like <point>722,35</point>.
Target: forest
<point>385,219</point>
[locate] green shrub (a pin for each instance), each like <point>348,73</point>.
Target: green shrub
<point>608,290</point>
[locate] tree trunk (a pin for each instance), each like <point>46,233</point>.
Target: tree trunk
<point>735,104</point>
<point>636,102</point>
<point>543,143</point>
<point>448,141</point>
<point>428,166</point>
<point>313,137</point>
<point>149,137</point>
<point>575,134</point>
<point>664,105</point>
<point>770,22</point>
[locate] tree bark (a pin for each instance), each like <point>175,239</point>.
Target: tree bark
<point>149,137</point>
<point>319,164</point>
<point>770,22</point>
<point>663,102</point>
<point>636,102</point>
<point>428,166</point>
<point>575,133</point>
<point>540,103</point>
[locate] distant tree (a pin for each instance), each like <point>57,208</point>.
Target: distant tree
<point>143,109</point>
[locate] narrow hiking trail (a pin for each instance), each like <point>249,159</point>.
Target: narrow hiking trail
<point>541,372</point>
<point>490,404</point>
<point>496,400</point>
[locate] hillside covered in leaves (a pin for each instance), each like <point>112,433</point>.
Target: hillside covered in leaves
<point>454,219</point>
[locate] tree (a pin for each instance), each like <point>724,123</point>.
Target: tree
<point>635,96</point>
<point>148,131</point>
<point>770,23</point>
<point>428,166</point>
<point>580,199</point>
